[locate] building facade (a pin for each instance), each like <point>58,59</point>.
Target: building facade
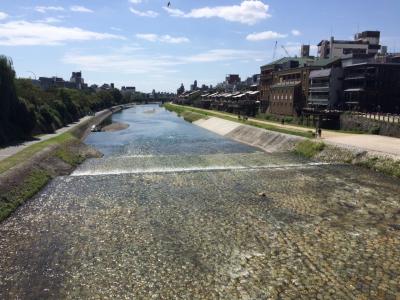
<point>372,87</point>
<point>286,98</point>
<point>325,89</point>
<point>366,42</point>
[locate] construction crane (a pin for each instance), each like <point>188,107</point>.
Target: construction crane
<point>287,52</point>
<point>274,53</point>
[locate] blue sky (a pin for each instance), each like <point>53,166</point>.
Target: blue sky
<point>146,44</point>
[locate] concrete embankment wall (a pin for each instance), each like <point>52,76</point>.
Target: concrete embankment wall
<point>268,141</point>
<point>83,130</point>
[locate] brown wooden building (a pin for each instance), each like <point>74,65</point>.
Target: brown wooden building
<point>285,84</point>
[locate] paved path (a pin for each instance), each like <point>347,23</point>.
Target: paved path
<point>374,143</point>
<point>9,151</point>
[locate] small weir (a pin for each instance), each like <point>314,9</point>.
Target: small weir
<point>189,163</point>
<point>173,211</point>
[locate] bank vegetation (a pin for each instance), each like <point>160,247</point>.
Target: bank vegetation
<point>26,110</point>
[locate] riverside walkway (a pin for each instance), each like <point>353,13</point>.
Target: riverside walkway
<point>12,150</point>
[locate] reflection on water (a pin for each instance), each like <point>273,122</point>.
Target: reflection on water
<point>116,230</point>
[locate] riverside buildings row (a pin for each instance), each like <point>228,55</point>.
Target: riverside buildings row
<point>355,74</point>
<point>347,75</point>
<point>233,95</point>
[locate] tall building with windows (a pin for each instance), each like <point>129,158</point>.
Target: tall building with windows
<point>366,42</point>
<point>77,80</point>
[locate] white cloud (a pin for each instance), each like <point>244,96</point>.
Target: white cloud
<point>132,62</point>
<point>148,13</point>
<point>82,9</point>
<point>296,32</point>
<point>44,9</point>
<point>3,15</point>
<point>174,12</point>
<point>120,63</point>
<point>135,1</point>
<point>248,12</point>
<point>49,20</point>
<point>150,37</point>
<point>265,35</point>
<point>162,38</point>
<point>217,55</point>
<point>24,33</point>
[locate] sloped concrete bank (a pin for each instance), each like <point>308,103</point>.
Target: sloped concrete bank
<point>27,178</point>
<point>268,141</point>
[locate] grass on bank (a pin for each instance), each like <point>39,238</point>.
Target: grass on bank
<point>28,152</point>
<point>387,166</point>
<point>309,148</point>
<point>192,116</point>
<point>69,156</point>
<point>179,109</point>
<point>32,184</point>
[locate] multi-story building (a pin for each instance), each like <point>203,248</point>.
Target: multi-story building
<point>128,89</point>
<point>285,83</point>
<point>77,80</point>
<point>194,87</point>
<point>366,42</point>
<point>372,87</point>
<point>325,87</point>
<point>286,98</point>
<point>276,72</point>
<point>232,79</point>
<point>289,90</point>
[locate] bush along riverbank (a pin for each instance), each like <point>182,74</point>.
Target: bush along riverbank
<point>24,174</point>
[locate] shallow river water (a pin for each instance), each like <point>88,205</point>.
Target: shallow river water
<point>174,212</point>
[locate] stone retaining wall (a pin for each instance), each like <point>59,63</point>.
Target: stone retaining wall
<point>354,122</point>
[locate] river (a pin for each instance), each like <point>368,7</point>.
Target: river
<point>173,211</point>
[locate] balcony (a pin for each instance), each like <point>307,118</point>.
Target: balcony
<point>317,101</point>
<point>319,85</point>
